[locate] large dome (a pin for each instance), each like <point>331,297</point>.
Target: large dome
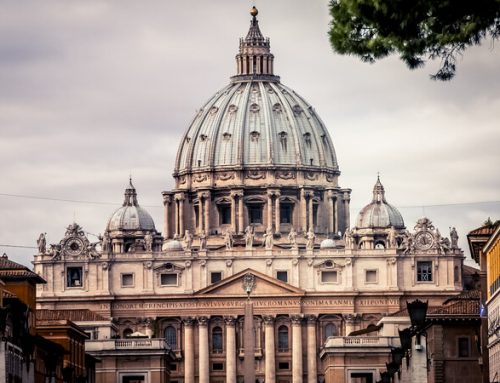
<point>130,217</point>
<point>379,213</point>
<point>256,122</point>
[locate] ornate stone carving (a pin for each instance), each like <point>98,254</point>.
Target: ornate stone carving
<point>230,320</point>
<point>330,178</point>
<point>254,108</point>
<point>268,320</point>
<point>188,240</point>
<point>269,262</point>
<point>312,176</point>
<point>311,319</point>
<point>249,283</point>
<point>285,175</point>
<point>297,319</point>
<point>182,180</point>
<point>148,241</point>
<point>255,174</point>
<point>188,322</point>
<point>200,177</point>
<point>225,176</point>
<point>203,321</point>
<point>148,265</point>
<point>187,264</point>
<point>229,263</point>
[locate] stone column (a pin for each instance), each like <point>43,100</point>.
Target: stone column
<point>230,349</point>
<point>200,213</point>
<point>206,196</point>
<point>331,212</point>
<point>188,350</point>
<point>336,223</point>
<point>203,356</point>
<point>311,211</point>
<point>297,351</point>
<point>269,209</point>
<point>269,350</point>
<point>277,213</point>
<point>312,362</point>
<point>233,213</point>
<point>167,199</point>
<point>176,216</point>
<point>347,199</point>
<point>303,210</point>
<point>181,216</point>
<point>241,214</point>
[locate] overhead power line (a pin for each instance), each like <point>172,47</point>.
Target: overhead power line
<point>160,206</point>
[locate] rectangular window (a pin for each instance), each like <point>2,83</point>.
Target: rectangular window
<point>371,276</point>
<point>74,277</point>
<point>168,279</point>
<point>128,280</point>
<point>463,347</point>
<point>255,213</point>
<point>315,214</point>
<point>329,277</point>
<point>282,276</point>
<point>133,379</point>
<point>215,276</point>
<point>283,365</point>
<point>225,214</point>
<point>217,366</point>
<point>286,211</point>
<point>424,271</point>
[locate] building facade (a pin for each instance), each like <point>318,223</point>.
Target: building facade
<point>257,197</point>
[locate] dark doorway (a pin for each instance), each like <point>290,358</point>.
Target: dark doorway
<point>361,377</point>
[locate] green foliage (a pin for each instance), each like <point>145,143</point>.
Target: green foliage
<point>416,30</point>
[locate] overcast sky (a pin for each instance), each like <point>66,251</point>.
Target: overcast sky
<point>92,91</point>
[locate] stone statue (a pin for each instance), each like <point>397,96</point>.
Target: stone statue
<point>310,236</point>
<point>188,240</point>
<point>249,235</point>
<point>148,241</point>
<point>292,238</point>
<point>445,244</point>
<point>105,242</point>
<point>268,238</point>
<point>228,239</point>
<point>42,243</point>
<point>92,251</point>
<point>407,243</point>
<point>392,238</point>
<point>454,238</point>
<point>348,239</point>
<point>55,252</point>
<point>203,241</point>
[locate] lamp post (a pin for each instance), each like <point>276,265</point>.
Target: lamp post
<point>417,310</point>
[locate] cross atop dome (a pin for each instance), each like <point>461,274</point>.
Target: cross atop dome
<point>378,191</point>
<point>255,59</point>
<point>130,195</point>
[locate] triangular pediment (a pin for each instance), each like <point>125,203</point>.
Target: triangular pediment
<point>264,286</point>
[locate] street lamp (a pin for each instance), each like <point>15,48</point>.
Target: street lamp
<point>397,355</point>
<point>417,311</point>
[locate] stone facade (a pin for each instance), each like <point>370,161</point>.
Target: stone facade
<point>256,196</point>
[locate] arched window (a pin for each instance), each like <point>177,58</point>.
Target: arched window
<point>171,336</point>
<point>330,330</point>
<point>127,332</point>
<point>283,339</point>
<point>217,340</point>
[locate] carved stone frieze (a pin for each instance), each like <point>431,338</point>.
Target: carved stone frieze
<point>255,174</point>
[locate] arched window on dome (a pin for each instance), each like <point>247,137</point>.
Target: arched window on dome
<point>171,336</point>
<point>283,343</point>
<point>217,347</point>
<point>286,212</point>
<point>224,214</point>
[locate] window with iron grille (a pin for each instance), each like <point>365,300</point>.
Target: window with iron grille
<point>424,271</point>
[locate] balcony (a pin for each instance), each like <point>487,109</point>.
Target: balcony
<point>128,344</point>
<point>361,342</point>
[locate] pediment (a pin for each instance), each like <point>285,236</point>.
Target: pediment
<point>264,286</point>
